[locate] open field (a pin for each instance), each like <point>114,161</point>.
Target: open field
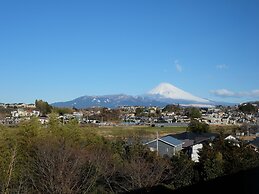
<point>126,131</point>
<point>146,131</point>
<point>227,129</point>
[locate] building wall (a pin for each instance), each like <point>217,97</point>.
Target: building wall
<point>163,148</point>
<point>195,151</point>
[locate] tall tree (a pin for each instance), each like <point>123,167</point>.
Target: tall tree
<point>193,113</point>
<point>43,107</point>
<point>198,127</point>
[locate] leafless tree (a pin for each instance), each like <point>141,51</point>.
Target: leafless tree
<point>61,168</point>
<point>10,171</point>
<point>143,169</point>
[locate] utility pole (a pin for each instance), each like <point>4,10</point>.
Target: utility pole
<point>157,142</point>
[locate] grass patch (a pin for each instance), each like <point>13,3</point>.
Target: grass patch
<point>226,129</point>
<point>126,131</point>
<point>148,131</point>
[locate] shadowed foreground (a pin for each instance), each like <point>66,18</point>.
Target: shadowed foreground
<point>241,182</point>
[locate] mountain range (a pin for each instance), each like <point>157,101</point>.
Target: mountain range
<point>161,95</point>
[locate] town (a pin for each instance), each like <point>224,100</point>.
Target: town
<point>244,117</point>
<point>170,115</point>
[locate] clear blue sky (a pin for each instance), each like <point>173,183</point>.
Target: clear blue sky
<point>59,50</point>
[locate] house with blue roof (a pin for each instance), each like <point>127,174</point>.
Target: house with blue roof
<point>166,145</point>
<point>189,142</point>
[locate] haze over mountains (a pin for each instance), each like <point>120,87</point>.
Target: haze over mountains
<point>161,95</point>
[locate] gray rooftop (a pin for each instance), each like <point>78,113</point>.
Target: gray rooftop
<point>171,140</point>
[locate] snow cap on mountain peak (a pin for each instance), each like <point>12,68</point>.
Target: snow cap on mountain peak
<point>167,90</point>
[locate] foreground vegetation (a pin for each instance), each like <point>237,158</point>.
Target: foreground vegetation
<point>69,159</point>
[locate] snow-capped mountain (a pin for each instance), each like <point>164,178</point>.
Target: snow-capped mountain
<point>110,101</point>
<point>168,91</point>
<point>161,95</point>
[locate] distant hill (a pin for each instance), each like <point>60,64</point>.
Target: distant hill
<point>110,101</point>
<point>161,95</point>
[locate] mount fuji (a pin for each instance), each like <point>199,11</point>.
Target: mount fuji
<point>167,92</point>
<point>161,95</point>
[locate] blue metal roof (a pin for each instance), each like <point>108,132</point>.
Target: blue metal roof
<point>171,140</point>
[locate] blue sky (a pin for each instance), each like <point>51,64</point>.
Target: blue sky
<point>59,50</point>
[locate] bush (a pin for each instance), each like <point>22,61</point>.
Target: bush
<point>198,127</point>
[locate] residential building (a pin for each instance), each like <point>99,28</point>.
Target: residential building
<point>166,145</point>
